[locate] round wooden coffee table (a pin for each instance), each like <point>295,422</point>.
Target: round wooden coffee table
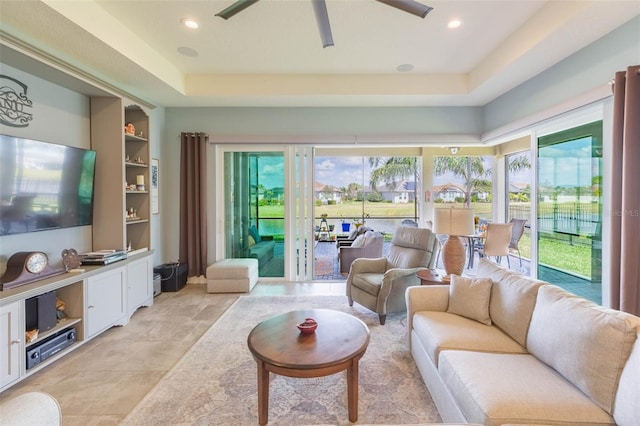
<point>337,345</point>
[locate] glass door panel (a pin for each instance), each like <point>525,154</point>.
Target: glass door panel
<point>354,191</point>
<point>518,201</point>
<point>570,210</point>
<point>255,210</point>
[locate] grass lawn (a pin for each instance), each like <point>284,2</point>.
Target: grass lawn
<point>560,254</point>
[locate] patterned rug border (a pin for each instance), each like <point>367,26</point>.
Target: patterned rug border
<point>214,382</point>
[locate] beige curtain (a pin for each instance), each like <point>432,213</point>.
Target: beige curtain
<point>193,202</point>
<point>625,206</point>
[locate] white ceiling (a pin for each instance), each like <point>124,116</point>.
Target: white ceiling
<point>271,55</point>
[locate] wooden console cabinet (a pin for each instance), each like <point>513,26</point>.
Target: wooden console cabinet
<point>95,300</point>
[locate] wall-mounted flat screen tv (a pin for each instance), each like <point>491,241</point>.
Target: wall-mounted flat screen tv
<point>44,186</point>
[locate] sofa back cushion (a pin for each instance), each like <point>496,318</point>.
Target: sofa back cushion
<point>627,406</point>
<point>513,297</point>
<point>584,342</point>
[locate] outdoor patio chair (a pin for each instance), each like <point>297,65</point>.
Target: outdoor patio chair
<point>516,233</point>
<point>497,241</point>
<point>372,244</point>
<point>379,284</point>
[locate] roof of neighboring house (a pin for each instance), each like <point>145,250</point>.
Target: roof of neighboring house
<point>447,187</point>
<point>321,187</point>
<point>518,186</point>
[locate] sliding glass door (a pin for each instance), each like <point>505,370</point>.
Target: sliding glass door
<point>254,203</point>
<point>570,209</point>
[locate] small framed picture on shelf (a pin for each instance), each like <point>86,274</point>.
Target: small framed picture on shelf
<point>155,186</point>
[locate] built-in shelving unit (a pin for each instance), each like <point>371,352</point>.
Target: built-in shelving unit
<point>122,204</point>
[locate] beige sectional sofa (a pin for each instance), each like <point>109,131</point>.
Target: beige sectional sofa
<point>513,350</point>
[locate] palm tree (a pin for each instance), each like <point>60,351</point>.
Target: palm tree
<point>470,169</point>
<point>390,170</point>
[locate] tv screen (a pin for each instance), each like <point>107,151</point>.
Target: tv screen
<point>44,186</point>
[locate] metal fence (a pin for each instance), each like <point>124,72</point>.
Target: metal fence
<point>574,222</point>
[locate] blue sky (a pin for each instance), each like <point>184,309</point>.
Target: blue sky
<point>572,169</point>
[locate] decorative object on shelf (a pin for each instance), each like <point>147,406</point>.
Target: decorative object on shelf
<point>131,214</point>
<point>155,186</point>
<point>308,326</point>
<point>453,222</point>
<point>31,335</point>
<point>60,307</point>
<point>140,182</point>
<point>70,259</point>
<point>27,266</point>
<point>130,129</point>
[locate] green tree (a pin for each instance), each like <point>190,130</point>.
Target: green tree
<point>519,162</point>
<point>350,192</point>
<point>392,170</point>
<point>470,169</point>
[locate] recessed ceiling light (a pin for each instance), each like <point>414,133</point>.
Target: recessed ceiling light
<point>189,23</point>
<point>404,67</point>
<point>187,51</point>
<point>454,23</point>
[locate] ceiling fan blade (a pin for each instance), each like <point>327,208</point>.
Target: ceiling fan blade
<point>410,6</point>
<point>236,7</point>
<point>322,18</point>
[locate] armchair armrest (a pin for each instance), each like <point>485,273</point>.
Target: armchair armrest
<point>369,265</point>
<point>425,298</point>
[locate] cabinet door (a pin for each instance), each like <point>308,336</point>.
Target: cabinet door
<point>140,285</point>
<point>106,303</point>
<point>11,343</point>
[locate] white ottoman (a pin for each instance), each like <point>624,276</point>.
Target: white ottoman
<point>232,276</point>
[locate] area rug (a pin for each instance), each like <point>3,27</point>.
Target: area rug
<point>215,382</point>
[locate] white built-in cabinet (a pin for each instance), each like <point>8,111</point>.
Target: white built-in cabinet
<point>139,284</point>
<point>95,300</point>
<point>106,300</point>
<point>10,343</point>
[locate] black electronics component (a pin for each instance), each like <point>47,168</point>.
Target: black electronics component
<point>50,346</point>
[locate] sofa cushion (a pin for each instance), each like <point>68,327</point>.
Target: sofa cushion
<point>439,331</point>
<point>513,298</point>
<point>368,282</point>
<point>495,389</point>
<point>359,241</point>
<point>586,343</point>
<point>627,405</point>
<point>469,297</point>
<point>253,231</point>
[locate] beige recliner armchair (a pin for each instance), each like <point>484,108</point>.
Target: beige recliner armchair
<point>379,284</point>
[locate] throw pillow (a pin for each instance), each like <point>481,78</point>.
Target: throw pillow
<point>359,241</point>
<point>253,232</point>
<point>469,297</point>
<point>252,242</point>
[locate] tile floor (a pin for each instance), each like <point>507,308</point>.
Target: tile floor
<point>101,381</point>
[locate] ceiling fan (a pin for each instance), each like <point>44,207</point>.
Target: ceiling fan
<point>322,18</point>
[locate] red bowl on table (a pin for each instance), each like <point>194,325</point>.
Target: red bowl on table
<point>308,326</point>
